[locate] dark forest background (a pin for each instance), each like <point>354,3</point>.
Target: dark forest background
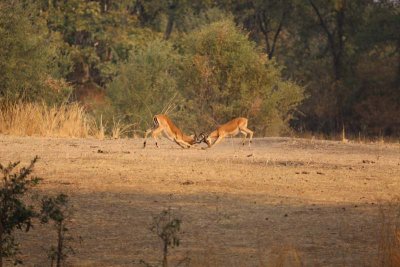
<point>293,66</point>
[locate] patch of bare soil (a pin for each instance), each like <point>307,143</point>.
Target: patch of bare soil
<point>283,198</point>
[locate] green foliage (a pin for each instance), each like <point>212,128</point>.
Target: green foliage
<point>54,208</point>
<point>146,84</point>
<point>164,16</point>
<point>29,55</point>
<point>194,20</point>
<point>15,212</point>
<point>344,52</point>
<point>57,209</point>
<point>226,76</point>
<point>99,36</point>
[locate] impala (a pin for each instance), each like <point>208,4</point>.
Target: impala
<point>230,128</point>
<point>163,124</point>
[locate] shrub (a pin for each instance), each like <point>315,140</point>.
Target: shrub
<point>225,75</point>
<point>146,85</point>
<point>30,59</point>
<point>15,212</point>
<point>57,210</point>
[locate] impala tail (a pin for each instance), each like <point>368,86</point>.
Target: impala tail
<point>155,122</point>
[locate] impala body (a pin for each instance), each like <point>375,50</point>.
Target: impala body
<point>231,128</point>
<point>163,124</point>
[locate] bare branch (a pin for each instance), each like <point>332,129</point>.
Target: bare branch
<point>324,27</point>
<point>263,22</point>
<point>270,55</point>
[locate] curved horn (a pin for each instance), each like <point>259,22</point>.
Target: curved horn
<point>202,137</point>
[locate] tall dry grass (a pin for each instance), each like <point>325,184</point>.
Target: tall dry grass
<point>120,129</point>
<point>98,129</point>
<point>28,119</point>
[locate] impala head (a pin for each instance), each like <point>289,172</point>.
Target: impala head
<point>196,138</point>
<point>203,137</point>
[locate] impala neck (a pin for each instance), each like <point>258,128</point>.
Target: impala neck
<point>188,139</point>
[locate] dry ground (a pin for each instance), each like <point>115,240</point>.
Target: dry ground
<point>317,201</point>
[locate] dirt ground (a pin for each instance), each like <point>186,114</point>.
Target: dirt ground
<point>318,203</point>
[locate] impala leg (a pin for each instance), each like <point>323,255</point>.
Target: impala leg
<point>209,141</point>
<point>219,139</point>
<point>182,143</point>
<point>182,146</point>
<point>156,133</point>
<point>244,136</point>
<point>145,137</point>
<point>247,131</point>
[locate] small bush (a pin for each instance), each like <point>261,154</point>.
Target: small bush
<point>57,210</point>
<point>167,228</point>
<point>15,212</point>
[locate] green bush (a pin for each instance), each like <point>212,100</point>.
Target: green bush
<point>16,212</point>
<point>225,76</point>
<point>146,85</point>
<point>215,75</point>
<point>29,60</point>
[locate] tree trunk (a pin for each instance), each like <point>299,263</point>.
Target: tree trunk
<point>398,63</point>
<point>170,26</point>
<point>1,245</point>
<point>165,260</point>
<point>340,45</point>
<point>60,244</point>
<point>335,41</point>
<point>337,69</point>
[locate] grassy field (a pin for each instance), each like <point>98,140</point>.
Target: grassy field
<point>282,201</point>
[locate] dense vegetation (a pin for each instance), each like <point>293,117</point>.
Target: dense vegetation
<point>313,65</point>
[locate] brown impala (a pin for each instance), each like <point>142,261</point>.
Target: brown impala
<point>230,128</point>
<point>163,124</point>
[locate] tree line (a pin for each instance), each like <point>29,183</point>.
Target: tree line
<point>304,66</point>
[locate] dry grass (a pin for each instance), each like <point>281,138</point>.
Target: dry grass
<point>120,129</point>
<point>98,129</point>
<point>349,138</point>
<point>67,120</point>
<point>28,119</point>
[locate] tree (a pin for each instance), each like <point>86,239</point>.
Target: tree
<point>29,55</point>
<point>163,16</point>
<point>98,36</point>
<point>57,209</point>
<point>225,76</point>
<point>265,20</point>
<point>335,37</point>
<point>146,84</point>
<point>15,212</point>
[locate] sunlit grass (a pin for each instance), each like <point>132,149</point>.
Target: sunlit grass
<point>39,119</point>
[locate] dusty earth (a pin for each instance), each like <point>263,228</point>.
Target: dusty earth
<point>282,201</point>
